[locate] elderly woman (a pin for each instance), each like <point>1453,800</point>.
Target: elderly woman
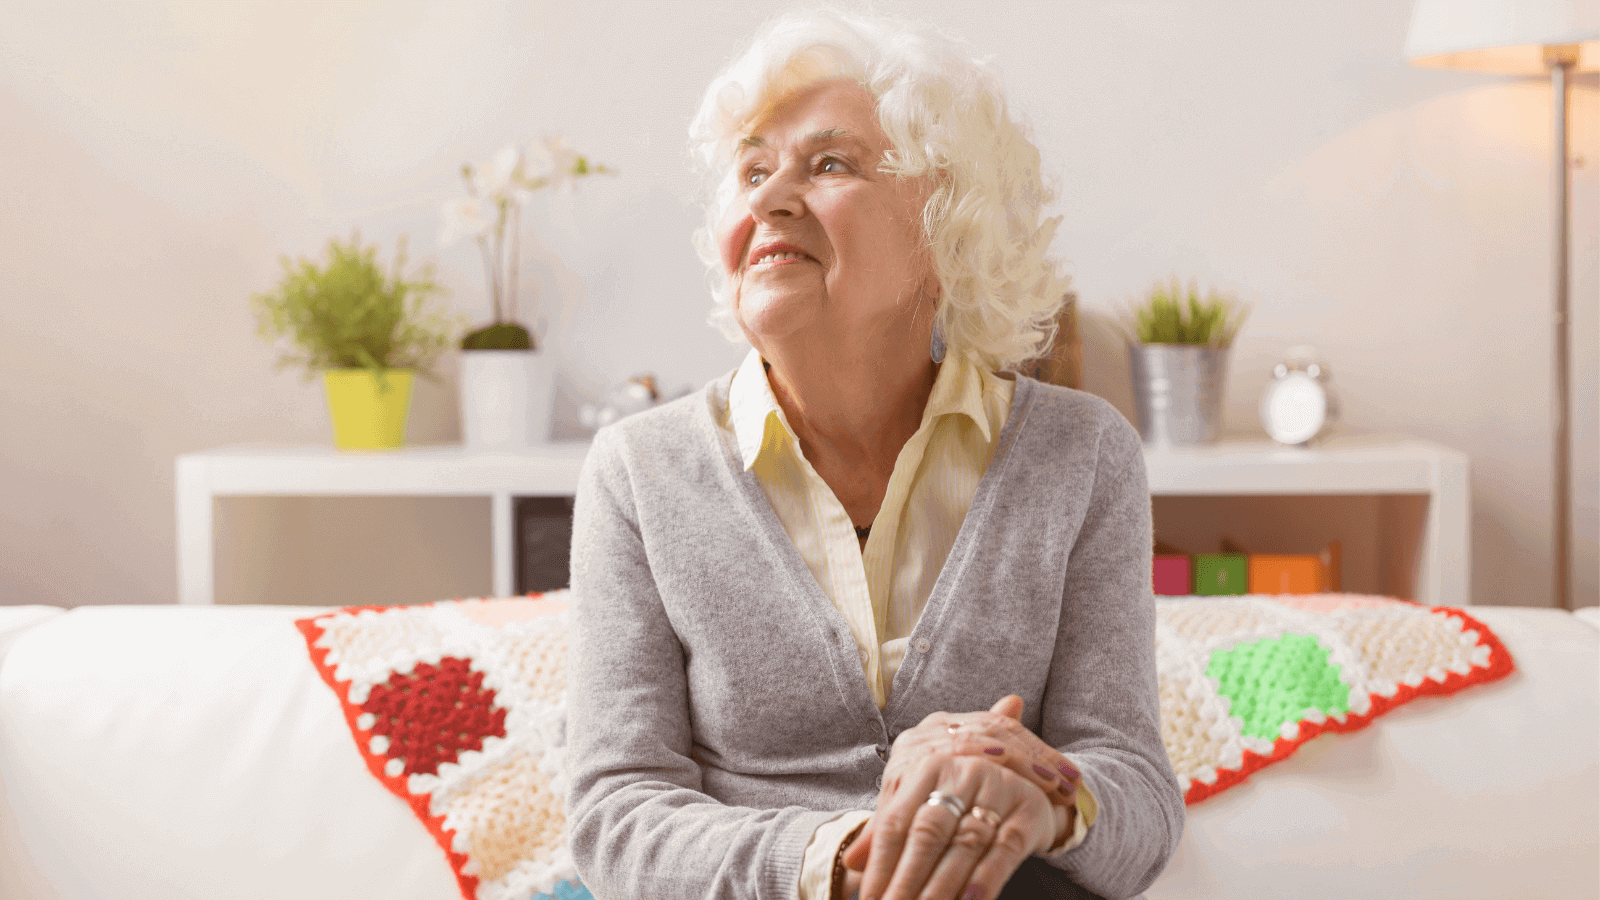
<point>868,613</point>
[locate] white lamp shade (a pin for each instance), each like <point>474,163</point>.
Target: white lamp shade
<point>1503,35</point>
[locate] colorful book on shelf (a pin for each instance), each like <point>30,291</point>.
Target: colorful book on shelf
<point>1221,574</point>
<point>1235,571</point>
<point>1172,574</point>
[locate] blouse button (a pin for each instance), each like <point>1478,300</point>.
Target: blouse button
<point>923,645</point>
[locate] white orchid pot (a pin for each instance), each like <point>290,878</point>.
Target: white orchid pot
<point>506,398</point>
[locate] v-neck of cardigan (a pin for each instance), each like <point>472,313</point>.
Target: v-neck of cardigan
<point>930,622</point>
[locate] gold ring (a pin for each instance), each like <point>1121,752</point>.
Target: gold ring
<point>951,802</point>
<point>987,816</point>
<point>952,728</point>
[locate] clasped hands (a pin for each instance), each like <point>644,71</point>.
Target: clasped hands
<point>966,798</point>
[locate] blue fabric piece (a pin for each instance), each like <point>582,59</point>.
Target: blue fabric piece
<point>566,890</point>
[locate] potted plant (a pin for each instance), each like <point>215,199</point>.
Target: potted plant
<point>1179,352</point>
<point>366,331</point>
<point>506,383</point>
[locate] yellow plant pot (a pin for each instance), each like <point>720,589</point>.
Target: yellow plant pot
<point>368,412</point>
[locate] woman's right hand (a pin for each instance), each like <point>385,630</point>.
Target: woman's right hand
<point>915,848</point>
<point>1000,734</point>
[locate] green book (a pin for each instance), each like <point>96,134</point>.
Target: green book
<point>1221,573</point>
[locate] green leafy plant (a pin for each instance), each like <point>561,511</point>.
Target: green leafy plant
<point>350,314</point>
<point>1173,315</point>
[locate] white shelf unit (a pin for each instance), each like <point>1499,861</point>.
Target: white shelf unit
<point>428,471</point>
<point>1423,488</point>
<point>1437,558</point>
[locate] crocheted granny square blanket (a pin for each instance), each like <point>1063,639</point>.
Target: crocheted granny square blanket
<point>1245,681</point>
<point>459,708</point>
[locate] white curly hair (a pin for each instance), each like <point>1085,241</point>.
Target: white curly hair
<point>945,116</point>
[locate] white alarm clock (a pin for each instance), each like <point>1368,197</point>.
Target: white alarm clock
<point>1299,405</point>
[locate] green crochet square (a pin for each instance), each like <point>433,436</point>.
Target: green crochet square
<point>1273,681</point>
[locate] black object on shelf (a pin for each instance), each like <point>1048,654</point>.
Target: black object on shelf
<point>544,543</point>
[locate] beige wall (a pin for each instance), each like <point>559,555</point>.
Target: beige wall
<point>156,158</point>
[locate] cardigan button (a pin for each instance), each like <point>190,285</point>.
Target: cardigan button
<point>883,752</point>
<point>923,645</point>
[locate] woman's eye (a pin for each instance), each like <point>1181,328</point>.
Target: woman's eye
<point>829,165</point>
<point>754,177</point>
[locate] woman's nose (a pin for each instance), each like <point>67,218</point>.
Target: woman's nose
<point>781,196</point>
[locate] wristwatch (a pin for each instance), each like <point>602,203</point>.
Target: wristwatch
<point>836,885</point>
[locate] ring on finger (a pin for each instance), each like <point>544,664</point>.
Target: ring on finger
<point>951,802</point>
<point>987,816</point>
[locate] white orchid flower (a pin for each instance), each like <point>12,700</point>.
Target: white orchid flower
<point>501,174</point>
<point>466,217</point>
<point>539,165</point>
<point>564,161</point>
<point>493,211</point>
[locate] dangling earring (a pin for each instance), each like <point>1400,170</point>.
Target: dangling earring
<point>937,349</point>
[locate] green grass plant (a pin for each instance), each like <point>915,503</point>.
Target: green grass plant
<point>1172,314</point>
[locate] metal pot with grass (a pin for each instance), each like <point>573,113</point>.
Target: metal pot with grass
<point>1179,354</point>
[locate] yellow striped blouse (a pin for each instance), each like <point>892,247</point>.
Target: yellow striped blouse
<point>880,588</point>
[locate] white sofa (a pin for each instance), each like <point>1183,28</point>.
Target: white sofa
<point>193,752</point>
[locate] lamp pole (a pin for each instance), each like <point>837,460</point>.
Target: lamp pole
<point>1562,59</point>
<point>1529,37</point>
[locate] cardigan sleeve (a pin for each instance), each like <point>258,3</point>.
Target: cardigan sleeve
<point>1101,704</point>
<point>639,824</point>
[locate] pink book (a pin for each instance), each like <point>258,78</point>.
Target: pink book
<point>1170,574</point>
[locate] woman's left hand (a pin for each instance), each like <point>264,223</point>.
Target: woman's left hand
<point>999,735</point>
<point>1015,807</point>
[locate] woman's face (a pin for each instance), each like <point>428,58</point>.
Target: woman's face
<point>817,240</point>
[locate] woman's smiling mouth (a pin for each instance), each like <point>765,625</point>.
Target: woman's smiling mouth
<point>778,254</point>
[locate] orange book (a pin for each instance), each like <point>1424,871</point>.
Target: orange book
<point>1275,573</point>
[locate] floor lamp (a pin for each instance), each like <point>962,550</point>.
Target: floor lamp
<point>1527,37</point>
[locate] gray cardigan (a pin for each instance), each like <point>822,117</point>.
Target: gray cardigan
<point>718,710</point>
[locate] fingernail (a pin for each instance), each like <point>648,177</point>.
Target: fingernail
<point>973,893</point>
<point>994,751</point>
<point>1043,772</point>
<point>1068,771</point>
<point>1065,790</point>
